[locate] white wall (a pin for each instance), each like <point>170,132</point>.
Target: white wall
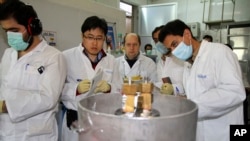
<point>112,3</point>
<point>3,44</point>
<point>66,17</point>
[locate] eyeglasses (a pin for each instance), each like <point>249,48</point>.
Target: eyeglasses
<point>91,38</point>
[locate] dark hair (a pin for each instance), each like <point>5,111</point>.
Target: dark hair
<point>3,1</point>
<point>138,37</point>
<point>157,29</point>
<point>228,45</point>
<point>208,37</point>
<point>175,27</point>
<point>94,22</point>
<point>16,9</point>
<point>147,45</point>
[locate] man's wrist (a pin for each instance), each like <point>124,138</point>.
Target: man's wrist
<point>1,106</point>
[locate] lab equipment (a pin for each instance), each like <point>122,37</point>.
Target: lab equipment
<point>177,120</point>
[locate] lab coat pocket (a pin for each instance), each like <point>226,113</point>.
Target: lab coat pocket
<point>31,78</point>
<point>27,78</point>
<point>38,127</point>
<point>107,75</point>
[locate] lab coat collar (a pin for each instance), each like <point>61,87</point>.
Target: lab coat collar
<point>100,55</point>
<point>202,48</point>
<point>202,51</point>
<point>139,57</point>
<point>40,47</point>
<point>136,58</point>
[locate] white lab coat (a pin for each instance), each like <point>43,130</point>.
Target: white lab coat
<point>79,67</point>
<point>160,66</point>
<point>144,66</point>
<point>31,97</point>
<point>172,68</point>
<point>214,83</point>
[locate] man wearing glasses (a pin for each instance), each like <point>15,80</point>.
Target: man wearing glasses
<point>83,62</point>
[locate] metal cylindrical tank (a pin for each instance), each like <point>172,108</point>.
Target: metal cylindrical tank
<point>97,122</point>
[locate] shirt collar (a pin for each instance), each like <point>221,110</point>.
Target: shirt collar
<point>100,55</point>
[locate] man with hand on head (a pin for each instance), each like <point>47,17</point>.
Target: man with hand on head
<point>84,62</point>
<point>33,75</point>
<point>169,69</point>
<point>212,79</point>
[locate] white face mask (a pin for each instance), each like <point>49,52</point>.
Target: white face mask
<point>183,51</point>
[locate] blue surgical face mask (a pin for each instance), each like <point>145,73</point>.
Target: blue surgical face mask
<point>183,51</point>
<point>15,40</point>
<point>161,48</point>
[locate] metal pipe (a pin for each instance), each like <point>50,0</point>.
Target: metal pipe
<point>203,11</point>
<point>233,1</point>
<point>222,19</point>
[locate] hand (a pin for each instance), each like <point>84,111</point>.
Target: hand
<point>102,86</point>
<point>167,88</point>
<point>83,86</point>
<point>3,108</point>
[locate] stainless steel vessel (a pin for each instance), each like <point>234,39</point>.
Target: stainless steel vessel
<point>97,122</point>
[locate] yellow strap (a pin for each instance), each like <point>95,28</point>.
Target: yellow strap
<point>1,106</point>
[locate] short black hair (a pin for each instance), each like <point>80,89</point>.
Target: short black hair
<point>147,45</point>
<point>138,37</point>
<point>208,37</point>
<point>3,1</point>
<point>228,45</point>
<point>94,22</point>
<point>157,29</point>
<point>175,27</point>
<point>18,10</point>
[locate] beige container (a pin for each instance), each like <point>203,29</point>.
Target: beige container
<point>129,89</point>
<point>147,87</point>
<point>129,104</point>
<point>147,105</point>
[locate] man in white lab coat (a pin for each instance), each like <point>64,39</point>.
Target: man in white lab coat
<point>133,63</point>
<point>212,79</point>
<point>33,75</point>
<point>169,69</point>
<point>84,61</point>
